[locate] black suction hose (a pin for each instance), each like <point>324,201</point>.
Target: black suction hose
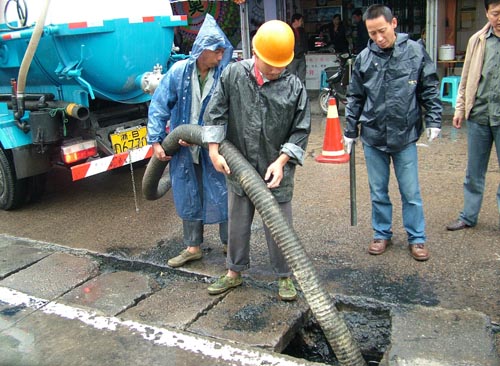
<point>321,304</point>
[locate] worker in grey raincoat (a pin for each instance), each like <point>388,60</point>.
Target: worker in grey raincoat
<point>199,191</point>
<point>263,110</point>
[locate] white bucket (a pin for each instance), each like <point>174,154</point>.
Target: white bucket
<point>446,52</point>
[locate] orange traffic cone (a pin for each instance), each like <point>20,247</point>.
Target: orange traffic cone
<point>333,148</point>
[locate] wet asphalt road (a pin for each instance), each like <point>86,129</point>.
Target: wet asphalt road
<point>101,214</point>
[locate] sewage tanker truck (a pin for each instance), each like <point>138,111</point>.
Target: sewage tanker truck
<point>76,77</point>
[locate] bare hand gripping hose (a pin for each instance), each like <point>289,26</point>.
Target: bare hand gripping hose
<point>321,304</point>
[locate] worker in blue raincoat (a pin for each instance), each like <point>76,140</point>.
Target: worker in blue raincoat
<point>200,193</point>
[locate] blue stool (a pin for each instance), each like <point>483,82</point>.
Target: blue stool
<point>450,84</point>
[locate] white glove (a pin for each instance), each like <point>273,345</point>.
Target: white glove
<point>432,133</point>
<point>348,144</point>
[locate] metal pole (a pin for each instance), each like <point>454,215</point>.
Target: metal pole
<point>245,31</point>
<point>352,181</point>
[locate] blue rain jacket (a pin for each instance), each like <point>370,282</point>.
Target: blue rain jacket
<point>172,101</point>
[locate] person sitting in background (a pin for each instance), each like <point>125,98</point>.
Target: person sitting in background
<point>337,35</point>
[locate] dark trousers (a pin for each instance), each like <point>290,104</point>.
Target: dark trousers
<point>193,230</point>
<point>241,213</point>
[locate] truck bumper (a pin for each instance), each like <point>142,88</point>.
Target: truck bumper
<point>110,162</point>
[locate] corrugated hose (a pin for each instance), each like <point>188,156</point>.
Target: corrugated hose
<point>322,306</point>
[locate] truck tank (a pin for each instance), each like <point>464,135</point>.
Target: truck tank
<point>94,47</point>
<point>86,90</point>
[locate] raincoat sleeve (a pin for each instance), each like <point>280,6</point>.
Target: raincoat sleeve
<point>296,145</point>
<point>160,107</point>
<point>355,101</point>
<point>217,112</point>
<point>428,92</point>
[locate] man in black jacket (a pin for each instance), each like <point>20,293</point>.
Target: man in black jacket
<point>361,32</point>
<point>392,79</point>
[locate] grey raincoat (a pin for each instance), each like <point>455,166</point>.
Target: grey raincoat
<point>172,101</point>
<point>261,121</point>
<point>386,93</point>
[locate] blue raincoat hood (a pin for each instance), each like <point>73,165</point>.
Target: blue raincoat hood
<point>211,37</point>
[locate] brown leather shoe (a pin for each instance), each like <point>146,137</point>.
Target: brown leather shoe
<point>419,252</point>
<point>457,225</point>
<point>378,246</point>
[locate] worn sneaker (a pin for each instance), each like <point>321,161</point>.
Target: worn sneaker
<point>183,258</point>
<point>223,284</point>
<point>286,289</point>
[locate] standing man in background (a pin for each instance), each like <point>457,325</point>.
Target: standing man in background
<point>478,102</point>
<point>200,193</point>
<point>298,64</point>
<point>392,79</point>
<point>361,32</point>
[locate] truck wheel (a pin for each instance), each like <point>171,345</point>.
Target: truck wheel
<point>12,190</point>
<point>36,187</point>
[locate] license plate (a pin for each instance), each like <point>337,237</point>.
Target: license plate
<point>129,139</point>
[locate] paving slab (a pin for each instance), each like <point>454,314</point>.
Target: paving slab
<point>52,276</point>
<point>59,334</point>
<point>426,336</point>
<point>44,340</point>
<point>253,316</point>
<point>110,293</point>
<point>16,256</point>
<point>163,307</point>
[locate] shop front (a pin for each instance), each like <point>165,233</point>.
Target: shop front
<point>448,25</point>
<point>451,23</point>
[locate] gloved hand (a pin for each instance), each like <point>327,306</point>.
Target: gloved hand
<point>348,144</point>
<point>432,133</point>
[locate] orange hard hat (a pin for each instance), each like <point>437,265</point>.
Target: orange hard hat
<point>274,42</point>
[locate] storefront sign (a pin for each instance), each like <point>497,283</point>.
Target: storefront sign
<point>317,62</point>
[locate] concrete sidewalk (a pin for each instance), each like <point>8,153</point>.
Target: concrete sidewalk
<point>63,307</point>
<point>58,308</point>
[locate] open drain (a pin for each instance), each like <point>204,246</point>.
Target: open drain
<point>369,325</point>
<point>368,320</point>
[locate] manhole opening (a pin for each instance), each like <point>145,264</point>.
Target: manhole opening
<point>370,327</point>
<point>368,321</point>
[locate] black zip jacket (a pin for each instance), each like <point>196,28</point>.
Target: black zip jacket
<point>386,94</point>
